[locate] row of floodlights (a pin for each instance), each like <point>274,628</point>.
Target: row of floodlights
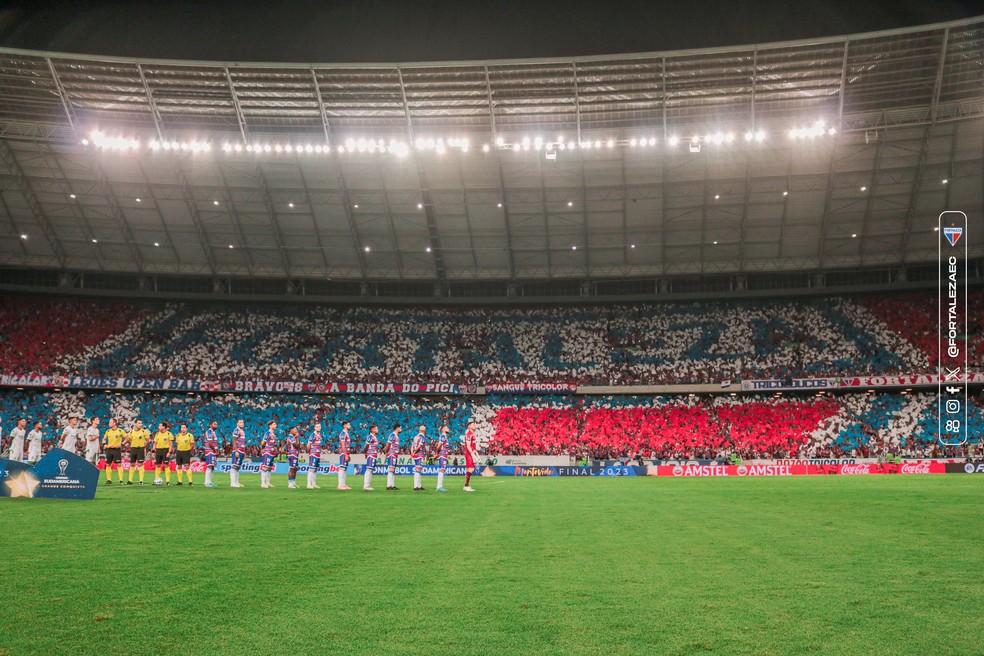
<point>440,145</point>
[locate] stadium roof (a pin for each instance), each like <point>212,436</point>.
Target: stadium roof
<point>549,168</point>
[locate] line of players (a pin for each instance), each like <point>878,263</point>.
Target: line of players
<point>181,447</point>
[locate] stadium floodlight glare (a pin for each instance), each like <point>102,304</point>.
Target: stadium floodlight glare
<point>366,249</point>
<point>611,143</point>
<point>420,206</point>
<point>72,196</point>
<point>138,200</point>
<point>785,193</point>
<point>760,136</point>
<point>485,148</point>
<point>863,188</point>
<point>854,235</point>
<point>632,246</point>
<point>499,205</point>
<point>597,143</point>
<point>749,136</point>
<point>500,142</point>
<point>215,202</point>
<point>95,241</point>
<point>674,140</point>
<point>570,203</point>
<point>24,237</point>
<point>945,181</point>
<point>231,246</point>
<point>225,147</point>
<point>428,249</point>
<point>157,244</point>
<point>290,205</point>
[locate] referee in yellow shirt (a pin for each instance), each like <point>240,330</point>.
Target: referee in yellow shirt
<point>163,441</point>
<point>113,443</point>
<point>137,438</point>
<point>185,443</point>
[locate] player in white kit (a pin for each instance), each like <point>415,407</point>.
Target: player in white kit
<point>17,441</point>
<point>70,435</point>
<point>34,439</point>
<point>92,441</point>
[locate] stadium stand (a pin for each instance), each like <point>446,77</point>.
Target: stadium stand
<point>602,345</point>
<point>664,427</point>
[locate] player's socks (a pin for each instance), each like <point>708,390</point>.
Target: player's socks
<point>310,478</point>
<point>367,479</point>
<point>167,474</point>
<point>109,474</point>
<point>180,474</point>
<point>208,477</point>
<point>119,472</point>
<point>440,479</point>
<point>189,477</point>
<point>467,479</point>
<point>233,477</point>
<point>141,474</point>
<point>416,480</point>
<point>131,471</point>
<point>390,479</point>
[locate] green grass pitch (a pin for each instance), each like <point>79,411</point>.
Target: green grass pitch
<point>811,565</point>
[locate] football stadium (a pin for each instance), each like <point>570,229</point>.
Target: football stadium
<point>673,351</point>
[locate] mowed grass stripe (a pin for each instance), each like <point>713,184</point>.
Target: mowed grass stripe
<point>812,565</point>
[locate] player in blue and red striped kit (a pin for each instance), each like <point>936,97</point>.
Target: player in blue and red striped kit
<point>269,452</point>
<point>344,455</point>
<point>418,450</point>
<point>372,452</point>
<point>238,453</point>
<point>211,446</point>
<point>315,442</point>
<point>392,455</point>
<point>292,444</point>
<point>443,451</point>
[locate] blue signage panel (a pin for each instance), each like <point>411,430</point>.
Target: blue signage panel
<point>59,474</point>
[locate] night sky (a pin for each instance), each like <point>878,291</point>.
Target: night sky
<point>435,30</point>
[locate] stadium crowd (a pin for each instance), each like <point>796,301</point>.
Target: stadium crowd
<point>603,427</point>
<point>603,345</point>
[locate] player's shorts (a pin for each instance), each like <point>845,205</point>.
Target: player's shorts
<point>113,455</point>
<point>210,460</point>
<point>370,462</point>
<point>391,461</point>
<point>343,460</point>
<point>418,462</point>
<point>160,456</point>
<point>237,459</point>
<point>267,462</point>
<point>292,462</point>
<point>314,462</point>
<point>182,458</point>
<point>469,462</point>
<point>137,454</point>
<point>442,463</point>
